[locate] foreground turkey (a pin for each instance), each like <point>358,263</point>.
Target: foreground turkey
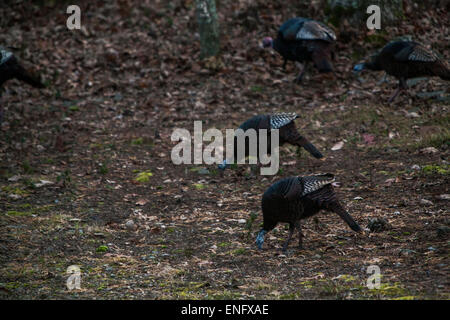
<point>404,60</point>
<point>288,133</point>
<point>292,199</point>
<point>10,68</point>
<point>304,40</point>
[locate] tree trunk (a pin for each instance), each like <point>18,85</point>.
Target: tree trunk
<point>208,26</point>
<point>354,11</point>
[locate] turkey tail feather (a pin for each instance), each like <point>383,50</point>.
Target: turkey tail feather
<point>442,71</point>
<point>336,207</point>
<point>302,142</point>
<point>312,149</point>
<point>25,76</point>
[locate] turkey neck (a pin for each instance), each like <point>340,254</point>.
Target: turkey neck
<point>278,45</point>
<point>373,65</point>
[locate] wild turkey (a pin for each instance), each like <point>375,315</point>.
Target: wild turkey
<point>404,60</point>
<point>304,40</point>
<point>10,68</point>
<point>295,198</point>
<point>288,133</point>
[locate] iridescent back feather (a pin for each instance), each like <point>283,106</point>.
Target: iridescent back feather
<point>279,120</point>
<point>316,182</point>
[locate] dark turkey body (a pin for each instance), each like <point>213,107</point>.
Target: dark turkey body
<point>317,51</point>
<point>11,69</point>
<point>276,209</point>
<point>295,198</point>
<point>294,50</point>
<point>8,70</point>
<point>401,66</point>
<point>287,133</point>
<point>408,69</point>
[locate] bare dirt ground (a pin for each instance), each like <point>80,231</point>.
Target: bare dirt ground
<point>92,151</point>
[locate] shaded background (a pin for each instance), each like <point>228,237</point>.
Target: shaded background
<point>100,134</point>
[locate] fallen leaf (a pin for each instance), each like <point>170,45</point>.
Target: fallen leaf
<point>429,150</point>
<point>337,146</point>
<point>43,183</point>
<point>141,202</point>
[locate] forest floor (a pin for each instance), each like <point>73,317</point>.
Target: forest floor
<point>92,150</point>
